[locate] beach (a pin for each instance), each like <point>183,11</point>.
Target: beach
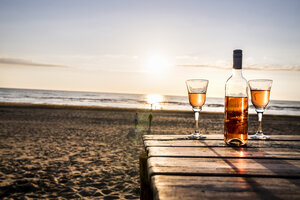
<point>49,151</point>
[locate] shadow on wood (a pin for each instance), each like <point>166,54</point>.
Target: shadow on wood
<point>146,193</point>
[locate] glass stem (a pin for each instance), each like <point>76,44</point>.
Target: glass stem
<point>260,115</point>
<point>197,122</point>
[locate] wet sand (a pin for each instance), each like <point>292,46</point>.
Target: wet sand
<point>89,152</point>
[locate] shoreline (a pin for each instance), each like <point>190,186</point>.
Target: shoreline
<point>89,107</point>
<point>105,108</point>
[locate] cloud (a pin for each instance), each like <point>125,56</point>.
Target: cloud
<point>85,64</point>
<point>22,62</point>
<point>204,66</point>
<point>249,67</point>
<point>274,67</point>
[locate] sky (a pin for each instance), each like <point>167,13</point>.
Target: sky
<point>131,46</point>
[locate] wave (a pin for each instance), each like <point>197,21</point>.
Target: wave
<point>129,101</point>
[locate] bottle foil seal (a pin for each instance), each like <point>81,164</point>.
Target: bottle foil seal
<point>237,59</point>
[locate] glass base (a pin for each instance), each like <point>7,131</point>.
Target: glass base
<point>196,137</point>
<point>237,142</point>
<point>259,136</point>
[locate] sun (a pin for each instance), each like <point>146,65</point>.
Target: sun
<point>157,63</point>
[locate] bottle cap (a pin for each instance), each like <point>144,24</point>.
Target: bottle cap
<point>237,58</point>
<point>238,52</point>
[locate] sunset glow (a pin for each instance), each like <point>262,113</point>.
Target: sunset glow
<point>145,47</point>
<point>157,63</point>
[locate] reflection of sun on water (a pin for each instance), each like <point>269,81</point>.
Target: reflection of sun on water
<point>154,101</point>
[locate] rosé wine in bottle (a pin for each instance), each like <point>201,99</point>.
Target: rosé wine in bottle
<point>236,105</point>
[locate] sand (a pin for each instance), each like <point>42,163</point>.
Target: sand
<point>88,152</point>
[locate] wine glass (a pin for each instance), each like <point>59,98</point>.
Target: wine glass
<point>197,95</point>
<point>260,95</point>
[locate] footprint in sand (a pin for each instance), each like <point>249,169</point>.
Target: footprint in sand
<point>106,191</point>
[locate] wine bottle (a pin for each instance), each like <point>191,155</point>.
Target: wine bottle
<point>236,105</point>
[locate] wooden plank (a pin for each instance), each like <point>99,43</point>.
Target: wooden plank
<point>247,188</point>
<point>220,143</point>
<point>223,167</point>
<point>216,152</point>
<point>218,137</point>
<point>145,183</point>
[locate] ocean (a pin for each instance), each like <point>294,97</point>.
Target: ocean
<point>139,101</point>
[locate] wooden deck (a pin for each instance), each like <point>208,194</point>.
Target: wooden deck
<point>178,168</point>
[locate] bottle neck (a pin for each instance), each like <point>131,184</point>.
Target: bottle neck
<point>237,72</point>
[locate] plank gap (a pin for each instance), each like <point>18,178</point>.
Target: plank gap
<point>223,175</point>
